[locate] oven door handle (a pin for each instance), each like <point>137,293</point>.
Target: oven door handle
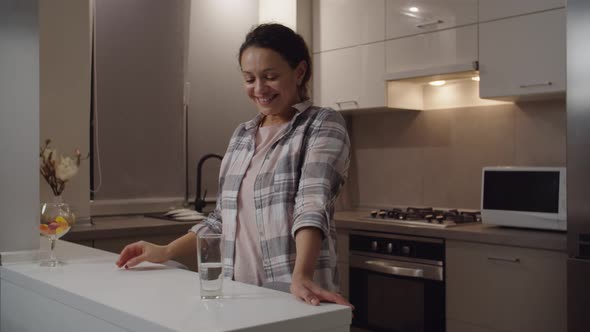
<point>397,268</point>
<point>383,267</point>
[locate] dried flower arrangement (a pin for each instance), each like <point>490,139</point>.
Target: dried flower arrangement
<point>57,170</point>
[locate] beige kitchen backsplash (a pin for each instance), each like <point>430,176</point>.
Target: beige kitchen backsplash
<point>434,158</point>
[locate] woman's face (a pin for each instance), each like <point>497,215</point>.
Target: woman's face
<point>269,80</point>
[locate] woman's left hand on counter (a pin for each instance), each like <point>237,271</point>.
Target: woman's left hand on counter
<point>308,291</point>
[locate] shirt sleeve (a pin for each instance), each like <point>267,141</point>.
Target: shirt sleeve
<point>323,172</point>
<point>213,222</point>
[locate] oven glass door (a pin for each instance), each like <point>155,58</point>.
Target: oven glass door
<point>392,303</point>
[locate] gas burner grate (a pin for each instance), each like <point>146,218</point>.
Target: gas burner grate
<point>428,215</point>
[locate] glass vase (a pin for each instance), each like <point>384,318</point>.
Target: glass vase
<point>56,220</point>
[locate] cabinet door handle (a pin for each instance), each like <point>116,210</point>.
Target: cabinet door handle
<point>502,259</point>
<point>533,85</point>
<point>339,103</point>
<point>425,24</point>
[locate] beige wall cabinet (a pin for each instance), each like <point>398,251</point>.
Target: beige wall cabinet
<point>344,23</point>
<point>496,9</point>
<point>523,56</point>
<point>350,78</point>
<point>405,18</point>
<point>432,50</point>
<point>491,287</point>
<point>342,242</point>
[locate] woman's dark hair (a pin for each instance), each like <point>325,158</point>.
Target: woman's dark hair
<point>285,42</point>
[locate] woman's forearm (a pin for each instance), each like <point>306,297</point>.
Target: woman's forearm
<point>308,242</point>
<point>184,245</point>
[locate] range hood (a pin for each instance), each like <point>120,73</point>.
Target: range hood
<point>433,88</point>
<point>433,71</point>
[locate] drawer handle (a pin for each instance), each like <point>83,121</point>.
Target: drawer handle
<point>502,259</point>
<point>425,24</point>
<point>339,103</point>
<point>533,85</point>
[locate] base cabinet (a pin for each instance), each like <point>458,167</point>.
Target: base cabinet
<point>458,326</point>
<point>343,267</point>
<point>503,288</point>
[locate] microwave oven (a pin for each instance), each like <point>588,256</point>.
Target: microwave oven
<point>527,197</point>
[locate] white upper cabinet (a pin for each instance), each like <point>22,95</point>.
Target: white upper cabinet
<point>344,23</point>
<point>350,78</point>
<point>523,56</point>
<point>405,17</point>
<point>432,50</point>
<point>495,9</point>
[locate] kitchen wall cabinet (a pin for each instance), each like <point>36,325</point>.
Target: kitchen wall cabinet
<point>496,9</point>
<point>428,15</point>
<point>432,50</point>
<point>523,56</point>
<point>342,241</point>
<point>350,78</point>
<point>344,23</point>
<point>503,288</point>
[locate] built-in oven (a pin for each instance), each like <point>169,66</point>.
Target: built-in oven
<point>397,282</point>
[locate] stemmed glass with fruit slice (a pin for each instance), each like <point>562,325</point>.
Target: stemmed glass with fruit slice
<point>56,220</point>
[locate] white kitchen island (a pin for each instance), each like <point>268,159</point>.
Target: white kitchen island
<point>89,293</point>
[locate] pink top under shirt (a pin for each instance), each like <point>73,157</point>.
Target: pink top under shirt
<point>248,267</point>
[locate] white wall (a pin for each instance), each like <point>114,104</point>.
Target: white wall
<point>19,125</point>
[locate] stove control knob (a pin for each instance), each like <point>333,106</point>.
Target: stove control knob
<point>374,246</point>
<point>406,250</point>
<point>390,248</point>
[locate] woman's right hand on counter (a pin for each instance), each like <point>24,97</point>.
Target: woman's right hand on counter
<point>142,251</point>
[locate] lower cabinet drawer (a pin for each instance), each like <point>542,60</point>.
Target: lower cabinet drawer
<point>458,326</point>
<point>344,278</point>
<point>505,288</point>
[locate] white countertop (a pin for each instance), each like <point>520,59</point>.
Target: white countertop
<point>153,297</point>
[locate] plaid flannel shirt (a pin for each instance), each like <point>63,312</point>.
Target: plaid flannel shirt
<point>296,187</point>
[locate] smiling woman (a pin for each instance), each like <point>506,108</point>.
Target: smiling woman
<point>275,63</point>
<point>279,178</point>
<point>271,83</point>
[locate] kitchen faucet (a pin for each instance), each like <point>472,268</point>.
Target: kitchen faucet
<point>200,200</point>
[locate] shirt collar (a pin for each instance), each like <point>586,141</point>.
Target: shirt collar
<point>299,108</point>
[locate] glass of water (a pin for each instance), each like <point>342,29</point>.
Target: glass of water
<point>209,252</point>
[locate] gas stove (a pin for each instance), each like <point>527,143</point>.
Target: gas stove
<point>426,217</point>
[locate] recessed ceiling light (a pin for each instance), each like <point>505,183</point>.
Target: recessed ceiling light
<point>414,9</point>
<point>475,78</point>
<point>437,83</point>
